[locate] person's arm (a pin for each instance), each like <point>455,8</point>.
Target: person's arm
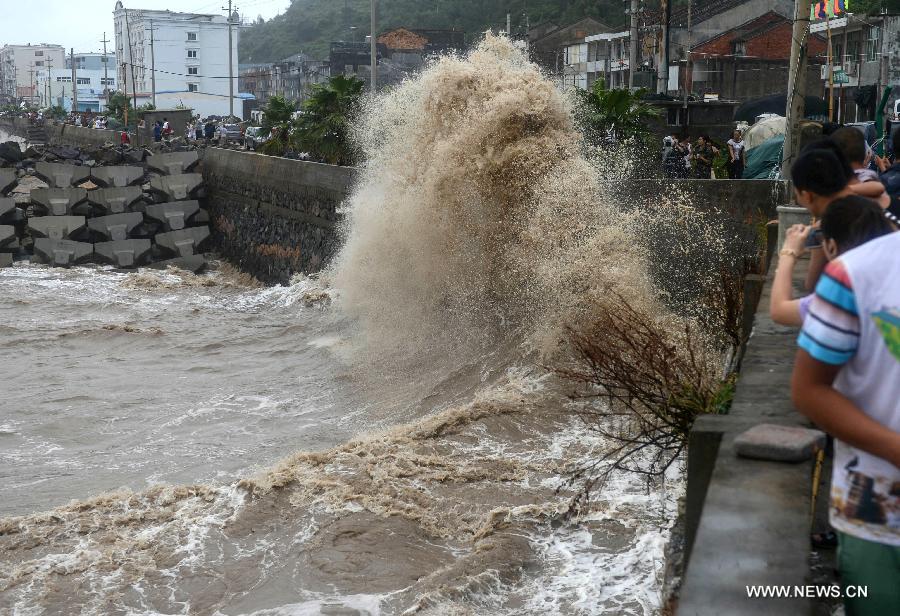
<point>872,190</point>
<point>731,155</point>
<point>815,397</point>
<point>782,308</point>
<point>817,263</point>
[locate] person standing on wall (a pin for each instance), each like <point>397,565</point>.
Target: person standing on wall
<point>736,156</point>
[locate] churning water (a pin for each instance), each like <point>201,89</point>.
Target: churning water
<point>380,441</point>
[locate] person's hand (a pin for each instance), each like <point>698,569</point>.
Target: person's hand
<point>795,239</point>
<point>881,163</point>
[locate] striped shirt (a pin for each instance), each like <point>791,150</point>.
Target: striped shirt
<point>831,330</point>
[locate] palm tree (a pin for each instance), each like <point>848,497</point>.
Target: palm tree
<point>322,128</point>
<point>614,115</point>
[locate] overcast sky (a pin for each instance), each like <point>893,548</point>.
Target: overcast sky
<point>81,23</point>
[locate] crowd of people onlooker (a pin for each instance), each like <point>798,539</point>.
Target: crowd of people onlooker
<point>846,375</point>
<point>682,158</point>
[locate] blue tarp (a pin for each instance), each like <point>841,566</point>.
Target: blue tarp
<point>764,161</point>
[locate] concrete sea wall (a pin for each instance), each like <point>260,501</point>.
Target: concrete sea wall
<point>274,217</point>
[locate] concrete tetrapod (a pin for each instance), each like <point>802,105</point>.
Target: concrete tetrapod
<point>117,177</point>
<point>9,212</point>
<point>177,187</point>
<point>174,163</point>
<point>116,226</point>
<point>193,263</point>
<point>62,253</point>
<point>8,179</point>
<point>58,201</point>
<point>124,253</point>
<point>183,243</point>
<point>8,237</point>
<point>61,175</point>
<point>173,215</point>
<point>55,227</point>
<point>115,200</point>
<point>6,259</point>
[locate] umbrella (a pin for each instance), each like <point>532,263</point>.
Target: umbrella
<point>777,103</point>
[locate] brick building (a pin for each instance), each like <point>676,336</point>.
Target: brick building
<point>749,61</point>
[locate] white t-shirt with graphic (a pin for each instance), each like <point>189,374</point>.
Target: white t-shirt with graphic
<point>854,322</point>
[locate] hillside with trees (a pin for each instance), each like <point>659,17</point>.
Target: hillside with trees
<point>311,25</point>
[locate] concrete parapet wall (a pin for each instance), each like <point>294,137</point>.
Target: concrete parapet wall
<point>274,217</point>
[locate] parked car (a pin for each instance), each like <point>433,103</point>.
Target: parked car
<point>254,137</point>
<point>233,133</point>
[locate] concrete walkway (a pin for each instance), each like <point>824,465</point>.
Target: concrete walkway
<point>752,524</point>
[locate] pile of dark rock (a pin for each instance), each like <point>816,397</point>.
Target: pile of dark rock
<point>66,206</point>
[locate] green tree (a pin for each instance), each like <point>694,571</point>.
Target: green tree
<point>614,115</point>
<point>277,111</point>
<point>117,105</point>
<point>322,128</point>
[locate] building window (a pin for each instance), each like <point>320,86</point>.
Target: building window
<point>63,80</point>
<point>39,53</point>
<point>84,81</point>
<point>107,81</point>
<point>39,63</point>
<point>740,48</point>
<point>192,70</point>
<point>192,36</point>
<point>104,59</point>
<point>873,38</point>
<point>192,53</point>
<point>193,87</point>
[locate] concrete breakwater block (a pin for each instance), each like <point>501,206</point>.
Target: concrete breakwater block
<point>57,201</point>
<point>183,243</point>
<point>173,215</point>
<point>177,187</point>
<point>115,226</point>
<point>117,177</point>
<point>193,263</point>
<point>8,237</point>
<point>61,253</point>
<point>124,253</point>
<point>779,443</point>
<point>6,259</point>
<point>61,175</point>
<point>55,227</point>
<point>115,200</point>
<point>173,163</point>
<point>8,179</point>
<point>9,213</point>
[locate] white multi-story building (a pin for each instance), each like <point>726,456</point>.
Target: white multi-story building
<point>187,53</point>
<point>601,56</point>
<point>20,65</point>
<point>55,88</point>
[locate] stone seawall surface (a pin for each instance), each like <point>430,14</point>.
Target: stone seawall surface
<point>274,217</point>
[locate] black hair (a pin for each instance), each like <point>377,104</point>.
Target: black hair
<point>851,142</point>
<point>821,168</point>
<point>852,221</point>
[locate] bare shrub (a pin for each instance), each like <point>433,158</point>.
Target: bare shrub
<point>649,381</point>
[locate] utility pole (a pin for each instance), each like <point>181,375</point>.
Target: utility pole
<point>633,43</point>
<point>105,71</point>
<point>74,81</point>
<point>49,85</point>
<point>796,100</point>
<point>662,85</point>
<point>830,59</point>
<point>230,64</point>
<point>153,66</point>
<point>687,63</point>
<point>33,85</point>
<point>373,49</point>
